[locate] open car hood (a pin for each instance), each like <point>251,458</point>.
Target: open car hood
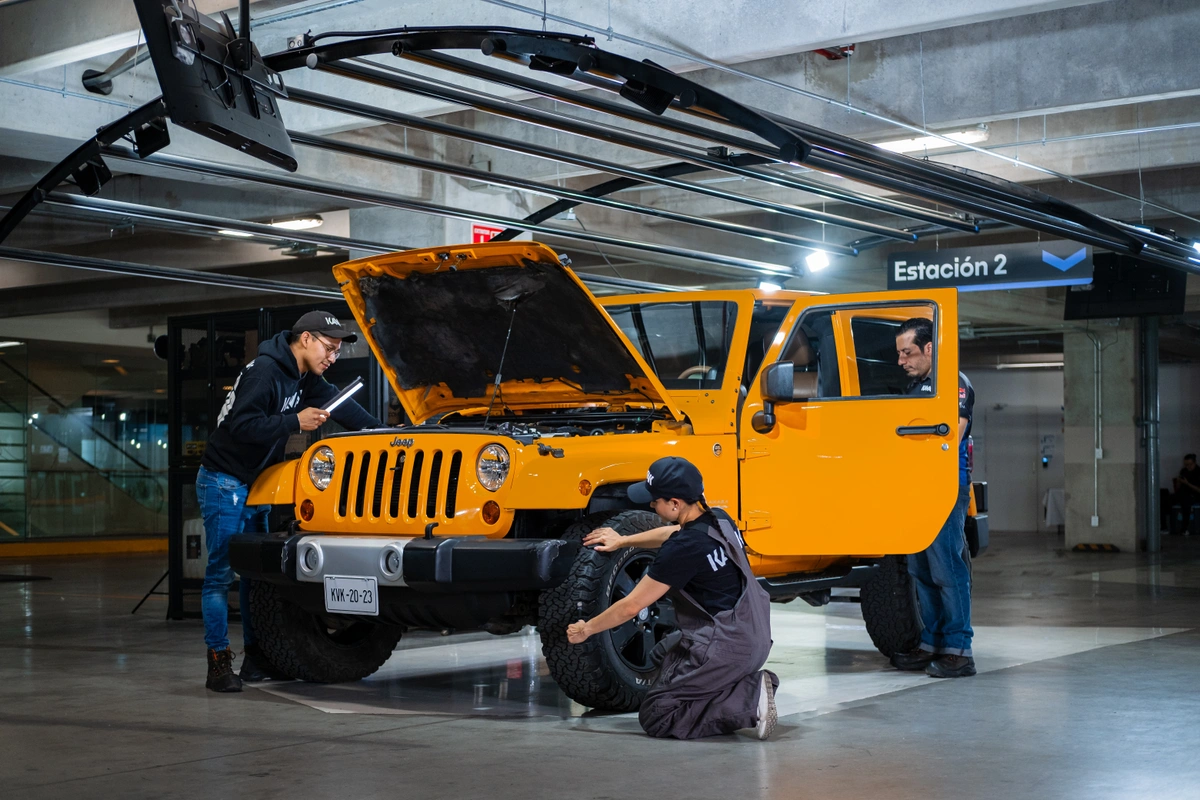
<point>437,320</point>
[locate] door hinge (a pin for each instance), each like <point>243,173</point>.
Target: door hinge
<point>752,452</point>
<point>754,523</point>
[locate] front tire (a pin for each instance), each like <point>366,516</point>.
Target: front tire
<point>313,647</point>
<point>613,670</point>
<point>889,608</point>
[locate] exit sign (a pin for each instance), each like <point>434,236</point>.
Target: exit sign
<point>483,233</point>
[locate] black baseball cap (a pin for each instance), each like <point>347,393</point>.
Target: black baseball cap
<point>326,324</point>
<point>667,478</point>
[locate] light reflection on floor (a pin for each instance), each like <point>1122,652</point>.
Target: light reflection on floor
<point>823,657</point>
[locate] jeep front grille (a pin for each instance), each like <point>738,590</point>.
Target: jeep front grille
<point>418,485</point>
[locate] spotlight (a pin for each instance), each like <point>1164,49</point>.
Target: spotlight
<point>299,223</point>
<point>817,260</point>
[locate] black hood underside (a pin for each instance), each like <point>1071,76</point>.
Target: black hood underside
<point>449,327</point>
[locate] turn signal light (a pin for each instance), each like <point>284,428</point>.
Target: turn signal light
<point>307,509</point>
<point>491,512</point>
<point>585,487</point>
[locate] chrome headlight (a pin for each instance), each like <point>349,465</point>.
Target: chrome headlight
<point>492,467</point>
<point>320,467</point>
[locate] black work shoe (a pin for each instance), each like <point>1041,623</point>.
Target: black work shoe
<point>256,667</point>
<point>912,661</point>
<point>220,672</point>
<point>951,667</point>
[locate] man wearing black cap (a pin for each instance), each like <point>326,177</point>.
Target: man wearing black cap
<point>277,394</point>
<point>711,682</point>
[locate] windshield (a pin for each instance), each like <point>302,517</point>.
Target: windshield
<point>686,344</point>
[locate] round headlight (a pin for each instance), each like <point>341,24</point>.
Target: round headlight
<point>320,467</point>
<point>492,467</point>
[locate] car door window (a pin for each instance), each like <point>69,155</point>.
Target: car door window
<point>686,344</point>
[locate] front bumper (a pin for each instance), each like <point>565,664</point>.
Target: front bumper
<point>451,565</point>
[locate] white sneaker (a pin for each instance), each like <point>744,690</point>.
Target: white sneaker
<point>767,715</point>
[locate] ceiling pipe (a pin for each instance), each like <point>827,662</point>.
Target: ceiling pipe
<point>165,273</point>
<point>171,218</point>
<point>591,102</point>
<point>347,193</point>
<point>579,197</point>
<point>492,105</point>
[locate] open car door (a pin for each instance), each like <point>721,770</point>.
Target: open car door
<point>850,464</point>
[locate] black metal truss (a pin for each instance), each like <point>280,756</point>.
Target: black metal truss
<point>656,89</point>
<point>206,224</point>
<point>376,198</point>
<point>733,138</point>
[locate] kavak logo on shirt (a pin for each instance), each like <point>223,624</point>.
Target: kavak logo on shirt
<point>718,558</point>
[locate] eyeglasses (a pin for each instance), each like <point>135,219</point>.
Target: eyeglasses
<point>332,351</point>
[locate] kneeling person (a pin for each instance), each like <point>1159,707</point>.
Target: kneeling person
<point>711,681</point>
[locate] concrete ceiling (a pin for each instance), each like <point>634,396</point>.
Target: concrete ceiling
<point>1094,102</point>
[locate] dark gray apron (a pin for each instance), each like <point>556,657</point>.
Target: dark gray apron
<point>711,680</point>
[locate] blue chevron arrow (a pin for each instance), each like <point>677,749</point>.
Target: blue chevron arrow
<point>1064,264</point>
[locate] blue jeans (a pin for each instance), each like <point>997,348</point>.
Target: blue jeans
<point>942,575</point>
<point>223,504</point>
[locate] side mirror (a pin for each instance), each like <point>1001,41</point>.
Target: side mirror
<point>776,388</point>
<point>777,382</point>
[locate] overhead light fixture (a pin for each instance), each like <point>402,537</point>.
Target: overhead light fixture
<point>304,223</point>
<point>110,361</point>
<point>916,144</point>
<point>817,260</point>
<point>1195,246</point>
<point>1031,365</point>
<point>235,234</point>
<point>767,286</point>
<point>11,344</point>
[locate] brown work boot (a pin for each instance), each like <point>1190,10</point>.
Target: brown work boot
<point>913,660</point>
<point>220,672</point>
<point>948,666</point>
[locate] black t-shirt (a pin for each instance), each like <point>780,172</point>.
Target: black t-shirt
<point>1192,476</point>
<point>693,561</point>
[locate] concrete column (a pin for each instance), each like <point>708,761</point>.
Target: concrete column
<point>1101,389</point>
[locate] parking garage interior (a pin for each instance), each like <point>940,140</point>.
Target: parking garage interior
<point>128,309</point>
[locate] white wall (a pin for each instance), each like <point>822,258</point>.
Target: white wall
<point>1179,417</point>
<point>1018,418</point>
<point>1014,409</point>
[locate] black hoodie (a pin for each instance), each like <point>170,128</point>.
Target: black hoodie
<point>261,411</point>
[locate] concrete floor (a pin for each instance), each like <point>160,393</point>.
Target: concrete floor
<point>1089,669</point>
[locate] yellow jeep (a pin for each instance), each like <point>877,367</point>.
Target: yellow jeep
<point>533,406</point>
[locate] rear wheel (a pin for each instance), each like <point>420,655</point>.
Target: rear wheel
<point>889,608</point>
<point>613,670</point>
<point>315,647</point>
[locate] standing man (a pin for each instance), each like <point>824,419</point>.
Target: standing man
<point>942,572</point>
<point>711,680</point>
<point>277,394</point>
<point>1187,491</point>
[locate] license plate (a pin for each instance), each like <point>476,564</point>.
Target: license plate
<point>351,595</point>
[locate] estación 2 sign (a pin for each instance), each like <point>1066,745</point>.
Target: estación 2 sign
<point>1003,266</point>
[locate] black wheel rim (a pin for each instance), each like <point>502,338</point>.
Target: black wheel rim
<point>633,641</point>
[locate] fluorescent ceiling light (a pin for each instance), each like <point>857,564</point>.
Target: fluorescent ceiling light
<point>817,260</point>
<point>236,234</point>
<point>919,143</point>
<point>11,344</point>
<point>1031,365</point>
<point>767,286</point>
<point>299,223</point>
